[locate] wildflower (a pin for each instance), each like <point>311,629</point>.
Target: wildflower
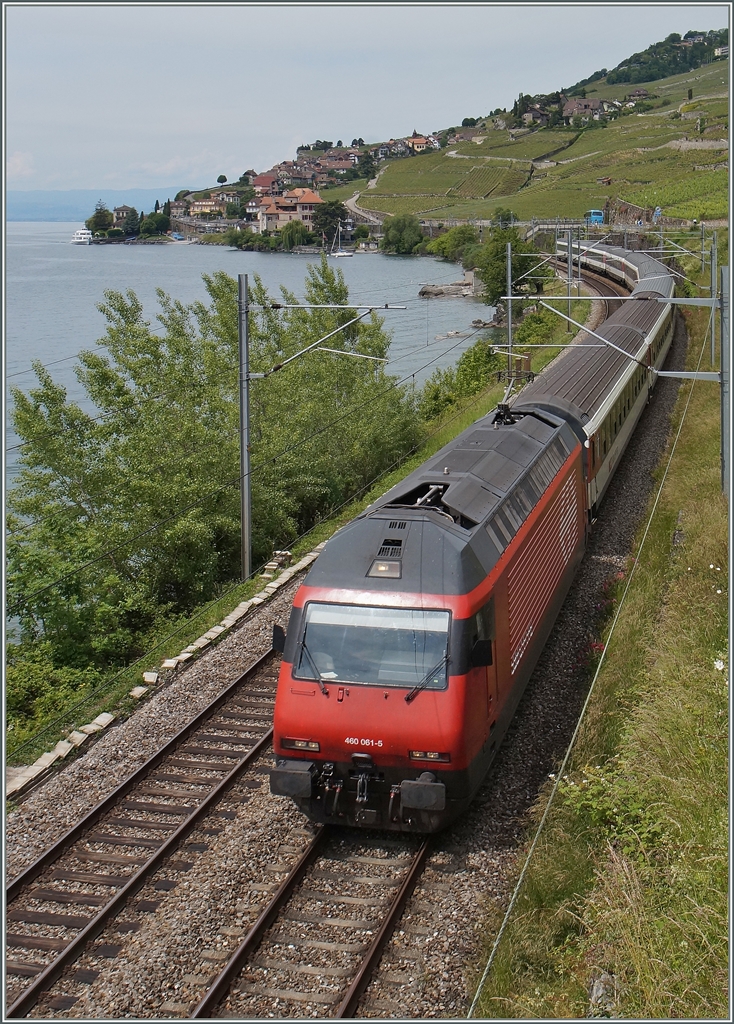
<point>718,591</point>
<point>719,665</point>
<point>711,566</point>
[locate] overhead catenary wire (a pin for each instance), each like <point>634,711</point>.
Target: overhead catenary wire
<point>24,527</point>
<point>202,611</point>
<point>561,771</point>
<point>234,481</point>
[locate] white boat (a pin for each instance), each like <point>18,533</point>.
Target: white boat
<point>81,237</point>
<point>336,253</point>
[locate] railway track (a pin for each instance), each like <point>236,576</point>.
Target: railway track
<point>315,944</point>
<point>66,898</point>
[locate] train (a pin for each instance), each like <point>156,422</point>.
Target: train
<point>413,636</point>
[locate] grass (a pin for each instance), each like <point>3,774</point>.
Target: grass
<point>338,193</point>
<point>630,874</point>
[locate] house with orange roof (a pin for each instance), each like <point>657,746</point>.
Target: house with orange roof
<point>298,204</point>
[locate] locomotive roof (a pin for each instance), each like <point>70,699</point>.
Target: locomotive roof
<point>481,487</point>
<point>583,374</point>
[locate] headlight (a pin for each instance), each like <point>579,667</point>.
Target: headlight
<point>291,744</point>
<point>428,755</point>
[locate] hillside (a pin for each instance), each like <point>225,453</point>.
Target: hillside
<point>675,55</point>
<point>666,151</point>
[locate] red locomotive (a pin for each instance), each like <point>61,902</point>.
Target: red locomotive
<point>414,634</point>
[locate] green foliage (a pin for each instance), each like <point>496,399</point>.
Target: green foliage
<point>491,265</point>
<point>294,233</point>
<point>326,218</point>
<point>36,687</point>
<point>222,178</point>
<point>451,245</point>
<point>101,219</point>
<point>366,167</point>
<point>155,224</point>
<point>475,371</point>
<point>115,233</point>
<point>401,234</point>
<point>144,495</point>
<point>667,58</point>
<point>361,231</point>
<point>131,225</point>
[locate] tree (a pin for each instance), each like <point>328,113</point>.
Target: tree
<point>143,491</point>
<point>131,225</point>
<point>401,234</point>
<point>469,122</point>
<point>222,178</point>
<point>452,243</point>
<point>491,265</point>
<point>361,231</point>
<point>157,207</point>
<point>357,142</point>
<point>154,224</point>
<point>167,207</point>
<point>101,219</point>
<point>294,233</point>
<point>366,167</point>
<point>326,218</point>
<point>339,144</point>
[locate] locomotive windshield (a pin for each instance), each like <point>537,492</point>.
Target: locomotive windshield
<point>374,646</point>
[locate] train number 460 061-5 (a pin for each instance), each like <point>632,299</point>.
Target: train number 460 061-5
<point>354,741</point>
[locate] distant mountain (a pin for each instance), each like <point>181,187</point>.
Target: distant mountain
<point>77,204</point>
<point>673,56</point>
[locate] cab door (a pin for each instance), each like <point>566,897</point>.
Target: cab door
<point>484,660</point>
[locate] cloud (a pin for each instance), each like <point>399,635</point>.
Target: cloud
<point>19,166</point>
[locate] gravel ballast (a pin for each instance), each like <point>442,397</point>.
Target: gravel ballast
<point>429,965</point>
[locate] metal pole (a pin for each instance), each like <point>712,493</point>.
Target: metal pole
<point>714,275</point>
<point>569,273</point>
<point>580,247</point>
<point>725,362</point>
<point>245,495</point>
<point>509,309</point>
<point>703,253</point>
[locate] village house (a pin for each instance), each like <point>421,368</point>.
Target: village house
<point>535,116</point>
<point>228,197</point>
<point>298,204</point>
<point>582,108</point>
<point>266,184</point>
<point>638,94</point>
<point>202,207</point>
<point>119,214</point>
<point>179,208</point>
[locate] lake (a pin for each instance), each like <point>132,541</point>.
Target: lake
<point>53,288</point>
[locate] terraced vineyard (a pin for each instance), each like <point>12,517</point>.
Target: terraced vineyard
<point>484,181</point>
<point>657,157</point>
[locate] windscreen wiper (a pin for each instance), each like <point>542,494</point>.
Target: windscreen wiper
<point>425,680</point>
<point>316,672</point>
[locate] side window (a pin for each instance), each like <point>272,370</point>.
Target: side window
<point>484,621</point>
<point>483,635</point>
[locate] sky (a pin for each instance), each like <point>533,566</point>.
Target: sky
<point>123,96</point>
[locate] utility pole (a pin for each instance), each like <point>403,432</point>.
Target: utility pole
<point>243,306</point>
<point>725,363</point>
<point>569,273</point>
<point>509,310</point>
<point>245,496</point>
<point>703,242</point>
<point>714,258</point>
